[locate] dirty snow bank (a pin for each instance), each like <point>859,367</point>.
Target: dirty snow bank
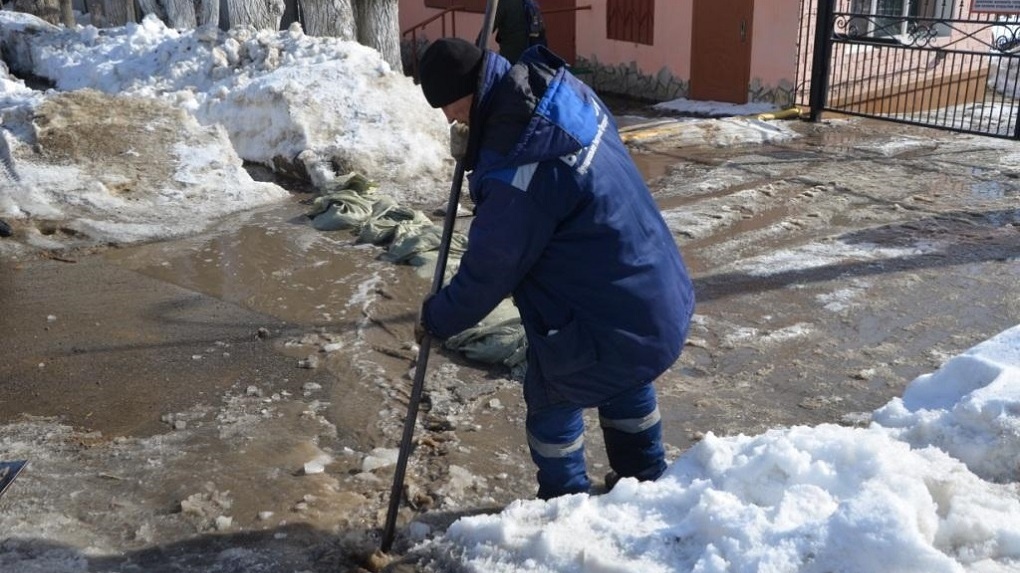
<point>162,121</point>
<point>278,94</point>
<point>81,177</point>
<point>929,486</point>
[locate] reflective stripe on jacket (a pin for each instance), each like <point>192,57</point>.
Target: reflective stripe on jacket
<point>565,222</point>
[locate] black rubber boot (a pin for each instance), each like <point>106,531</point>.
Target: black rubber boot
<point>611,479</point>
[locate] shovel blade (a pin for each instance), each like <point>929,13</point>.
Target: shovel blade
<point>9,471</point>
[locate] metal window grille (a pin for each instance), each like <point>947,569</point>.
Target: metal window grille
<point>631,21</point>
<point>936,63</point>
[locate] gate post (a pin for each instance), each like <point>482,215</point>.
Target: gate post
<point>822,58</point>
<point>1016,127</point>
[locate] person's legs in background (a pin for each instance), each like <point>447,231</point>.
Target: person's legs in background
<point>632,428</point>
<point>556,440</point>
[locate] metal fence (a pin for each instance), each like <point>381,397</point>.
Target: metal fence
<point>925,62</point>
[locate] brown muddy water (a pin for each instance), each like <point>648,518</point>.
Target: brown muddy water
<point>756,200</point>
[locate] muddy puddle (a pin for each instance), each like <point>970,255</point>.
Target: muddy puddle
<point>272,261</point>
<point>734,204</point>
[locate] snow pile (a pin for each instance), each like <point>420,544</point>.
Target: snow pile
<point>148,172</point>
<point>908,493</point>
<point>970,409</point>
<point>315,108</point>
<point>715,108</point>
<point>278,93</point>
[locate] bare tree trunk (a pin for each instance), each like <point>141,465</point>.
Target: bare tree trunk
<point>120,12</point>
<point>333,18</point>
<point>108,13</point>
<point>48,10</point>
<point>378,27</point>
<point>259,14</point>
<point>97,13</point>
<point>153,7</point>
<point>207,12</point>
<point>67,14</point>
<point>180,14</point>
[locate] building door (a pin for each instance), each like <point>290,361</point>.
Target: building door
<point>561,27</point>
<point>721,50</point>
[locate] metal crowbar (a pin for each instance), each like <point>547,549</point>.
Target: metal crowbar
<point>426,344</point>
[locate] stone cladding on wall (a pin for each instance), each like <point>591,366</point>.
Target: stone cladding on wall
<point>628,80</point>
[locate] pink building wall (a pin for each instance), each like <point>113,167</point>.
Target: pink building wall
<point>661,71</point>
<point>412,12</point>
<point>774,52</point>
<point>672,49</point>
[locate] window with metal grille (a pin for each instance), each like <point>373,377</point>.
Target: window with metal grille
<point>894,18</point>
<point>630,20</point>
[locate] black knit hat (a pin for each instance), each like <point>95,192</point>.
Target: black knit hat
<point>448,70</point>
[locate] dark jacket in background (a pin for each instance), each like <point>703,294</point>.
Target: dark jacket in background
<point>565,222</point>
<point>511,28</point>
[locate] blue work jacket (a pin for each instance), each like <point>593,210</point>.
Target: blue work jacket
<point>565,223</point>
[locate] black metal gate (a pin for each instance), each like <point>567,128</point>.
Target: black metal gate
<point>934,63</point>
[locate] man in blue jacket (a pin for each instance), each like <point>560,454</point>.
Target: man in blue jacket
<point>566,225</point>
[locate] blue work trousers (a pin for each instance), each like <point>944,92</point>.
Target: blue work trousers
<point>632,428</point>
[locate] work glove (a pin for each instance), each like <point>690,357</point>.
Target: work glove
<point>419,325</point>
<point>458,140</point>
